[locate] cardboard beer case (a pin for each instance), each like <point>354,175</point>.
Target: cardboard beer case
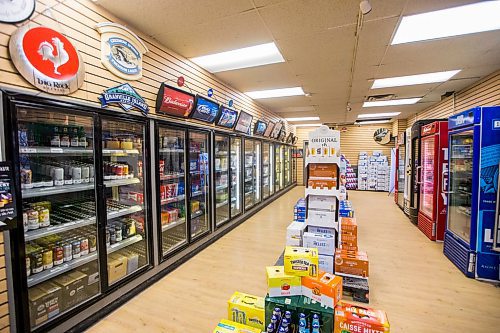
<point>295,230</point>
<point>325,263</point>
<point>227,326</point>
<point>323,170</point>
<point>322,202</point>
<point>280,284</point>
<point>350,318</point>
<point>351,263</point>
<point>44,302</point>
<point>247,309</point>
<point>325,288</point>
<point>348,226</point>
<point>321,217</point>
<point>356,288</point>
<point>301,261</point>
<point>325,243</point>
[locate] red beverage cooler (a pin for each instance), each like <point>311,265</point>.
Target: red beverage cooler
<point>433,180</point>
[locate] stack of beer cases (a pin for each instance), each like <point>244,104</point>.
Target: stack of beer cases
<point>351,177</point>
<point>299,210</point>
<point>363,171</point>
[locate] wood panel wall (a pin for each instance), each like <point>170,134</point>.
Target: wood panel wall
<point>354,140</point>
<point>485,92</point>
<point>4,305</point>
<point>77,20</point>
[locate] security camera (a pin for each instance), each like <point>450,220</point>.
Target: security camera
<point>365,7</point>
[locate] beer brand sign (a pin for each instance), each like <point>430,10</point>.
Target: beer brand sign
<point>125,96</point>
<point>47,59</point>
<point>14,11</point>
<point>324,142</point>
<point>121,50</point>
<point>174,102</point>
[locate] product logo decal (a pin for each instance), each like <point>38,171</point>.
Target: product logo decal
<point>125,96</point>
<point>496,123</point>
<point>47,59</point>
<point>121,50</point>
<point>204,109</point>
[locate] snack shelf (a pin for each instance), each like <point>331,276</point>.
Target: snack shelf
<point>171,225</point>
<point>171,150</point>
<point>123,212</point>
<point>55,150</point>
<point>120,152</point>
<point>121,182</point>
<point>172,200</point>
<point>124,243</point>
<point>56,229</point>
<point>55,271</point>
<point>220,204</point>
<point>197,214</point>
<point>43,191</point>
<point>171,176</point>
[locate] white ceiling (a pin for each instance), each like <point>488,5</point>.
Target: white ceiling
<point>316,38</point>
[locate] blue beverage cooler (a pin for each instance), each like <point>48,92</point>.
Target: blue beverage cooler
<point>474,147</point>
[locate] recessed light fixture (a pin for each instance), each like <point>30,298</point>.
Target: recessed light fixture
<point>263,54</point>
<point>392,102</point>
<point>371,122</point>
<point>283,92</point>
<point>307,125</point>
<point>456,21</point>
<point>378,115</point>
<point>409,80</point>
<point>302,118</point>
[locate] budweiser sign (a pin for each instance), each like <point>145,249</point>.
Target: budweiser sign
<point>174,102</point>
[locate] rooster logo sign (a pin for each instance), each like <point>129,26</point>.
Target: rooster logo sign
<point>46,50</point>
<point>47,59</point>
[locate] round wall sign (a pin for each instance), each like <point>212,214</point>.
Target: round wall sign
<point>14,11</point>
<point>47,59</point>
<point>382,136</point>
<point>180,81</point>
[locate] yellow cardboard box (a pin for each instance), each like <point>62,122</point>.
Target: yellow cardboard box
<point>247,309</point>
<point>227,326</point>
<point>301,261</point>
<point>281,284</point>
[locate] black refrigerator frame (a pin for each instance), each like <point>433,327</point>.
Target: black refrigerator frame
<point>17,241</point>
<point>415,158</point>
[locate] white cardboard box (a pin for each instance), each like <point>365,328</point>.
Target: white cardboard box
<point>293,241</point>
<point>295,230</point>
<point>325,263</point>
<point>325,243</point>
<point>320,230</point>
<point>322,202</point>
<point>320,217</point>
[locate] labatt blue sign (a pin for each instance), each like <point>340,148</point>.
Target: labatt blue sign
<point>125,96</point>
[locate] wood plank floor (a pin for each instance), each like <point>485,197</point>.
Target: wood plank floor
<point>410,277</point>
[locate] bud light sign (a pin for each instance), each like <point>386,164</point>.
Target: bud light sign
<point>205,110</point>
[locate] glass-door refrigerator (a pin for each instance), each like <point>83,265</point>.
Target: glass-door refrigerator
<point>434,180</point>
<point>236,176</point>
<point>287,157</point>
<point>222,178</point>
<point>82,205</point>
<point>252,173</point>
<point>171,186</point>
<point>123,160</point>
<point>198,183</point>
<point>266,170</point>
<point>278,160</point>
<point>272,170</point>
<point>399,184</point>
<point>474,148</point>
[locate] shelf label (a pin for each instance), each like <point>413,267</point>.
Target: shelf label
<point>27,150</point>
<point>131,151</point>
<point>56,150</point>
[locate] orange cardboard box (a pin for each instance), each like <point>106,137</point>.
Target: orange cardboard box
<point>325,288</point>
<point>351,263</point>
<point>323,170</point>
<point>350,318</point>
<point>348,226</point>
<point>322,183</point>
<point>348,242</point>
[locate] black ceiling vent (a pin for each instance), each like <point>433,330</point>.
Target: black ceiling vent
<point>385,97</point>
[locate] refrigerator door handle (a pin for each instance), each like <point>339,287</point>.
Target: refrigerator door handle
<point>419,175</point>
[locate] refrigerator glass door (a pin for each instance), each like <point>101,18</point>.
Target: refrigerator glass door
<point>249,174</point>
<point>56,163</point>
<point>416,172</point>
<point>221,179</point>
<point>460,197</point>
<point>401,175</point>
<point>266,171</point>
<point>172,188</point>
<point>236,201</point>
<point>427,190</point>
<point>278,172</point>
<point>199,175</point>
<point>271,169</point>
<point>282,167</point>
<point>288,168</point>
<point>124,178</point>
<point>257,194</point>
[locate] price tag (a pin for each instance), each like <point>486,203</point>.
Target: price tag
<point>27,150</point>
<point>56,150</point>
<point>131,151</point>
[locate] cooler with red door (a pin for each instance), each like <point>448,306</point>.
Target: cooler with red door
<point>433,180</point>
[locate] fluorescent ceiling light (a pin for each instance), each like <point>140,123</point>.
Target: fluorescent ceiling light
<point>456,21</point>
<point>372,122</point>
<point>378,115</point>
<point>307,125</point>
<point>409,80</point>
<point>302,118</point>
<point>283,92</point>
<point>252,56</point>
<point>392,102</point>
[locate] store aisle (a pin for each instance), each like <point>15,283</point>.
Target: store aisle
<point>410,278</point>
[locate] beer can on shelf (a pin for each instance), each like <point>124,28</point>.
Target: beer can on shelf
<point>48,261</point>
<point>92,243</point>
<point>58,254</point>
<point>33,222</point>
<point>68,251</point>
<point>84,246</point>
<point>36,262</point>
<point>76,249</point>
